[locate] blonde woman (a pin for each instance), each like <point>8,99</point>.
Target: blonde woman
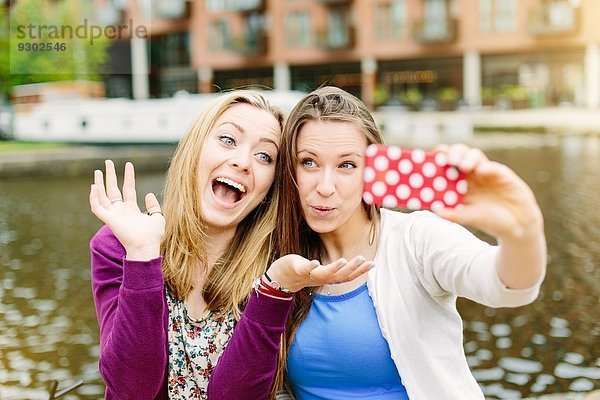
<point>172,285</point>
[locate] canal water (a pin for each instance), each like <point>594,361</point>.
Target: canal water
<point>48,328</point>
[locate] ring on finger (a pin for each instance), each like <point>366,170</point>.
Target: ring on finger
<point>155,212</point>
<point>115,201</point>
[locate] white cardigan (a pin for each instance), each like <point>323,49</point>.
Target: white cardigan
<point>422,264</point>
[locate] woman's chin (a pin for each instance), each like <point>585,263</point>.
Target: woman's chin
<point>321,227</point>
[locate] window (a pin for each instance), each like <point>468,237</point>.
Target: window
<point>171,50</point>
<point>338,33</point>
<point>485,15</point>
<point>176,49</point>
<point>220,37</point>
<point>506,15</point>
<point>297,28</point>
<point>232,5</point>
<point>255,28</point>
<point>390,19</point>
<point>255,24</point>
<point>435,10</point>
<point>560,13</point>
<point>497,15</point>
<point>436,18</point>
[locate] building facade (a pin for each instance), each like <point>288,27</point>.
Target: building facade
<point>423,54</point>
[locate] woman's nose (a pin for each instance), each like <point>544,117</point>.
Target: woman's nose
<point>241,162</point>
<point>326,184</point>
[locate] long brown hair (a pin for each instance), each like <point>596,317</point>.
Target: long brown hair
<point>183,247</point>
<point>293,233</point>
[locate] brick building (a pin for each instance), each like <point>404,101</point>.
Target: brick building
<point>425,54</point>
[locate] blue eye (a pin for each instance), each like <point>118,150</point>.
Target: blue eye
<point>265,157</point>
<point>308,163</point>
<point>228,140</point>
<point>348,165</point>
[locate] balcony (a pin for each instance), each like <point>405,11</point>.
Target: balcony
<point>251,44</point>
<point>336,39</point>
<point>554,19</point>
<point>433,31</point>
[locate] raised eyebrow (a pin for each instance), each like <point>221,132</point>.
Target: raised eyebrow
<point>243,131</point>
<point>340,155</point>
<point>267,140</point>
<point>237,126</point>
<point>350,154</point>
<point>307,151</point>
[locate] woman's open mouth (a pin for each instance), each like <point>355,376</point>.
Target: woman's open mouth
<point>228,191</point>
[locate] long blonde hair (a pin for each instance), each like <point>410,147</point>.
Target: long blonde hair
<point>183,247</point>
<point>293,233</point>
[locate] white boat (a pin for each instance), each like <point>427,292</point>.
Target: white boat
<point>57,117</point>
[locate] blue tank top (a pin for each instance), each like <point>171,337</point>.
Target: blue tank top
<point>338,352</point>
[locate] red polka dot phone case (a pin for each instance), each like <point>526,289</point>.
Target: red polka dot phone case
<point>411,178</point>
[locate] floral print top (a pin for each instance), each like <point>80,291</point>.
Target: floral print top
<point>195,345</point>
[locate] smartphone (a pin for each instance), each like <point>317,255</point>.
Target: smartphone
<point>401,177</point>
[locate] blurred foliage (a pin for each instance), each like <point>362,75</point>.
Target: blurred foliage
<point>518,95</point>
<point>487,94</point>
<point>80,60</point>
<point>412,96</point>
<point>4,64</point>
<point>515,92</point>
<point>448,94</point>
<point>381,95</point>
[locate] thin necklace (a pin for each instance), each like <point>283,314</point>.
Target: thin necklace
<point>351,252</point>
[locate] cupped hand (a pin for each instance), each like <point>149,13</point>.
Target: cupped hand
<point>498,202</point>
<point>140,233</point>
<point>295,272</point>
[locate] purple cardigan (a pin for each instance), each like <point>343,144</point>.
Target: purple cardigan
<point>133,318</point>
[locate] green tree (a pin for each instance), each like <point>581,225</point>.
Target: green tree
<point>4,66</point>
<point>48,54</point>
